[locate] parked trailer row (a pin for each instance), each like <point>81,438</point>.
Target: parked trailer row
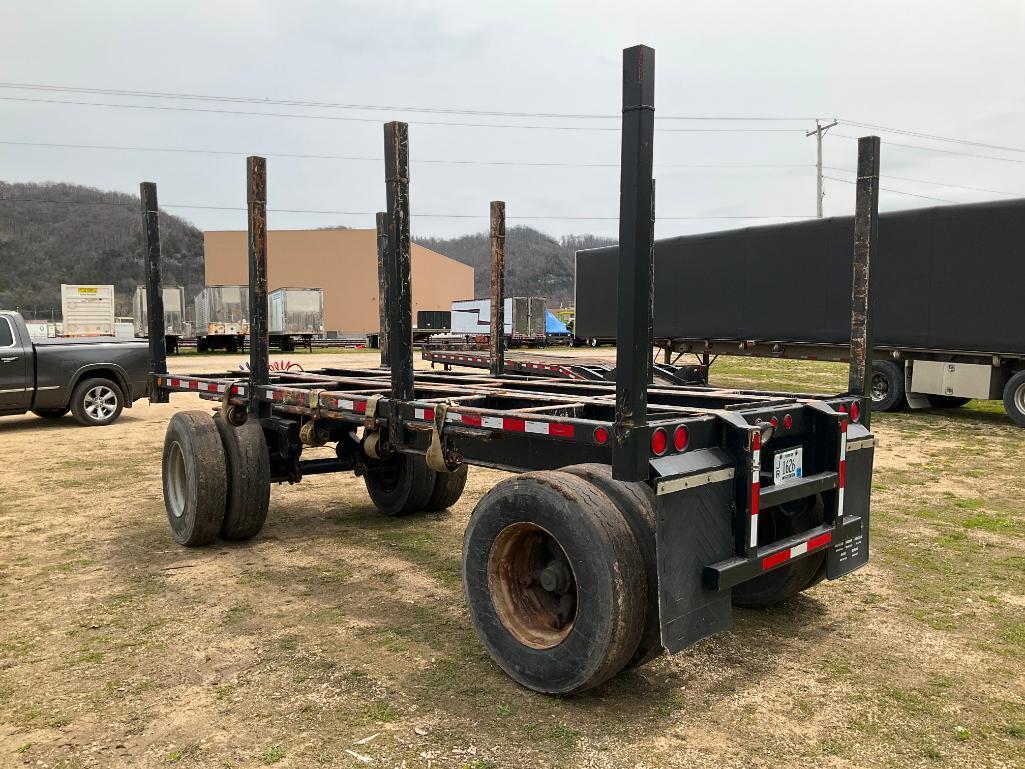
<point>949,326</point>
<point>641,513</point>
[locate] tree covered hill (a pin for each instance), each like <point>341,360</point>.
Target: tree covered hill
<point>45,240</point>
<point>535,264</point>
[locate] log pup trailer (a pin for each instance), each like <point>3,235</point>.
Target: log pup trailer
<point>640,514</point>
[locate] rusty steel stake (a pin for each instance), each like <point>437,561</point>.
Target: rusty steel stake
<point>866,237</point>
<point>382,285</point>
<point>259,341</point>
<point>497,287</point>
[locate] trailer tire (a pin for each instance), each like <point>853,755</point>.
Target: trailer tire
<point>530,541</point>
<point>401,485</point>
<point>887,390</point>
<point>195,478</point>
<point>946,401</point>
<point>51,413</point>
<point>247,464</point>
<point>785,581</point>
<point>637,504</point>
<point>97,402</point>
<point>448,488</point>
<point>1014,398</point>
<point>592,342</point>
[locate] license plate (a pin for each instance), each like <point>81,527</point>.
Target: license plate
<point>787,465</point>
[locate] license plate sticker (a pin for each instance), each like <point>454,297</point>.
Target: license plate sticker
<point>787,465</point>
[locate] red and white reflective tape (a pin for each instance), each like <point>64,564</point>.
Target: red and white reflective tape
<point>513,424</point>
<point>800,549</point>
<point>199,386</point>
<point>842,470</point>
<point>756,486</point>
<point>427,414</point>
<point>360,407</point>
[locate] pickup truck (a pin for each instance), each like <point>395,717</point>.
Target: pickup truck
<point>92,377</point>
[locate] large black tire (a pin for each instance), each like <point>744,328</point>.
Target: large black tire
<point>448,488</point>
<point>248,474</point>
<point>51,413</point>
<point>946,401</point>
<point>97,402</point>
<point>784,582</point>
<point>530,542</point>
<point>637,504</point>
<point>1014,398</point>
<point>195,478</point>
<point>888,393</point>
<point>401,485</point>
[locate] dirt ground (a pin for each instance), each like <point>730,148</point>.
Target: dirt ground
<point>338,637</point>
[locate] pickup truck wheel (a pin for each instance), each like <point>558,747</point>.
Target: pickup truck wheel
<point>784,582</point>
<point>946,401</point>
<point>887,386</point>
<point>195,478</point>
<point>401,485</point>
<point>448,488</point>
<point>50,413</point>
<point>96,402</point>
<point>248,476</point>
<point>1014,398</point>
<point>531,541</point>
<point>637,505</point>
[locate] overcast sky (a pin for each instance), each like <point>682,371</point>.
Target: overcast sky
<point>952,69</point>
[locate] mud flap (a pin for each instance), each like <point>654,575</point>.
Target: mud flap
<point>851,553</point>
<point>693,528</point>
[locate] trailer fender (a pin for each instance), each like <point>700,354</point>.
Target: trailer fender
<point>694,512</point>
<point>851,552</point>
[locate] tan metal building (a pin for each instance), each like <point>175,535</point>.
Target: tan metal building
<point>344,264</point>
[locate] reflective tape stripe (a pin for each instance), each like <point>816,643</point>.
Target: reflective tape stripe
<point>513,424</point>
<point>756,486</point>
<point>808,546</point>
<point>427,414</point>
<point>842,469</point>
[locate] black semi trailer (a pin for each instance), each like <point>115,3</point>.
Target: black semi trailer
<point>949,324</point>
<point>642,513</point>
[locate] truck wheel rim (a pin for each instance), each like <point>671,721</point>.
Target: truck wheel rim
<point>1019,398</point>
<point>176,480</point>
<point>532,585</point>
<point>880,387</point>
<point>100,402</point>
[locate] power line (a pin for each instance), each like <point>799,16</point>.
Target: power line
<point>303,156</point>
<point>936,184</point>
<point>373,213</point>
<point>349,118</point>
<point>373,107</point>
<point>937,149</point>
<point>898,192</point>
<point>933,137</point>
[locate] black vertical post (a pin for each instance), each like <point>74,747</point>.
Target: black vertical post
<point>154,292</point>
<point>866,237</point>
<point>636,244</point>
<point>497,287</point>
<point>382,285</point>
<point>259,342</point>
<point>400,302</point>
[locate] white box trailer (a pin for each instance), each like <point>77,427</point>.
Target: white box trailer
<point>87,310</point>
<point>174,311</point>
<point>222,317</point>
<point>524,318</point>
<point>296,311</point>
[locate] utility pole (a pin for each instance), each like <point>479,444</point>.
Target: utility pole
<point>818,133</point>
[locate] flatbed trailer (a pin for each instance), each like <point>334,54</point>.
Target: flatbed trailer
<point>640,513</point>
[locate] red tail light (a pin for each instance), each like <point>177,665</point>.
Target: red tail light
<point>601,436</point>
<point>680,438</point>
<point>659,442</point>
<point>855,411</point>
<point>788,422</point>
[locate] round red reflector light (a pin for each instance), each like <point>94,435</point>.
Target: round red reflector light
<point>659,442</point>
<point>855,411</point>
<point>843,408</point>
<point>788,422</point>
<point>775,422</point>
<point>601,435</point>
<point>680,438</point>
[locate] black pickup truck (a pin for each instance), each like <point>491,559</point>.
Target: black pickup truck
<point>92,377</point>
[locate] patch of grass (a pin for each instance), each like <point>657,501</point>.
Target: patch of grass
<point>273,754</point>
<point>557,735</point>
<point>24,748</point>
<point>383,711</point>
<point>237,614</point>
<point>997,524</point>
<point>1016,729</point>
<point>1014,634</point>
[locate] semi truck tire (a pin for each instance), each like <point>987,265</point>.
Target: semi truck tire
<point>530,542</point>
<point>401,485</point>
<point>448,488</point>
<point>636,503</point>
<point>946,401</point>
<point>785,581</point>
<point>97,402</point>
<point>247,463</point>
<point>887,391</point>
<point>195,478</point>
<point>1014,398</point>
<point>51,413</point>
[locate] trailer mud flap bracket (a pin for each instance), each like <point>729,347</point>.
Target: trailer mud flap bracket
<point>693,528</point>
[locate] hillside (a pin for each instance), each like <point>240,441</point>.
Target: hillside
<point>96,239</point>
<point>535,264</point>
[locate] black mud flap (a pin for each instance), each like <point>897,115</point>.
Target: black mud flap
<point>693,528</point>
<point>851,553</point>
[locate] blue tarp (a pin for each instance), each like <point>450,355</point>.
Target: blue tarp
<point>554,326</point>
